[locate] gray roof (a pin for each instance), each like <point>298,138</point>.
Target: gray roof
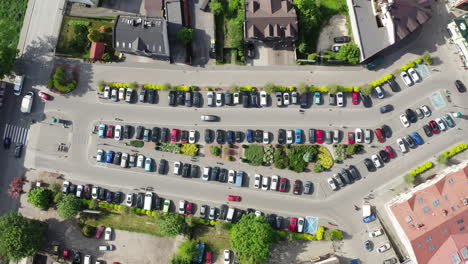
<point>408,15</point>
<point>141,35</point>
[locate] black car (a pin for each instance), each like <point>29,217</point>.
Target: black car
<point>353,172</point>
<point>312,136</point>
<point>412,117</point>
<point>208,136</point>
<point>157,203</point>
<point>245,100</point>
<point>214,174</point>
<point>196,99</point>
<point>384,156</point>
<point>308,187</point>
<point>281,136</point>
<point>18,150</point>
<point>345,176</point>
<point>250,49</point>
<point>164,134</point>
<point>369,165</point>
<point>188,99</point>
<point>238,215</point>
<point>72,189</point>
<point>304,100</point>
<point>184,136</point>
<point>155,134</point>
<point>230,137</point>
<point>87,191</point>
<point>6,142</point>
<point>239,137</point>
<point>77,258</point>
<point>410,141</point>
<point>342,39</point>
<point>127,131</point>
<point>186,170</point>
<point>271,218</point>
<point>250,211</point>
<point>194,169</point>
<point>172,98</point>
<point>223,212</point>
<point>223,175</point>
<point>460,86</point>
<point>259,136</point>
<point>220,136</point>
<point>332,99</point>
<point>140,200</point>
<point>109,197</point>
<point>162,166</point>
<point>180,98</point>
<point>102,194</point>
<point>386,108</point>
<point>228,98</point>
<point>117,157</point>
<point>142,97</point>
<point>254,99</point>
<point>366,101</point>
<point>387,131</point>
<point>117,199</point>
<point>393,85</point>
<point>151,97</point>
<point>427,130</point>
<point>139,132</point>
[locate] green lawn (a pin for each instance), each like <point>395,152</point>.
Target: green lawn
<point>12,12</point>
<point>214,242</point>
<point>330,8</point>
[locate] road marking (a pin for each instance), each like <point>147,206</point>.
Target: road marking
<point>16,134</point>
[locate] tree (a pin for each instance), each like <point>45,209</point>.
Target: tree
<point>269,88</point>
<point>95,36</point>
<point>40,197</point>
<point>8,49</point>
<point>333,235</point>
<point>215,150</point>
<point>166,86</point>
<point>366,89</point>
<point>442,159</point>
<point>318,167</point>
<point>252,238</point>
<point>69,206</point>
<point>101,84</point>
<point>16,187</point>
<point>185,35</point>
<point>19,236</point>
<point>409,178</point>
<point>190,220</point>
<point>103,29</point>
<point>58,197</point>
<point>172,224</point>
<point>349,52</point>
<point>216,7</point>
<point>302,88</point>
<point>427,58</point>
<point>106,57</point>
<point>332,88</point>
<point>187,250</point>
<point>88,231</point>
<point>234,88</point>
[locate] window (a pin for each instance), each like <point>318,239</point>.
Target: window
<point>436,203</point>
<point>429,238</point>
<point>431,248</point>
<point>451,181</point>
<point>462,228</point>
<point>460,221</point>
<point>420,199</point>
<point>426,209</point>
<point>455,258</point>
<point>419,244</point>
<point>445,230</point>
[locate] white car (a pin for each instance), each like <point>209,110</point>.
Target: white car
<point>426,111</point>
<point>236,98</point>
<point>406,79</point>
<point>210,98</point>
<point>286,98</point>
<point>266,138</point>
<point>79,190</point>
<point>177,166</point>
<point>376,161</point>
<point>257,181</point>
<point>65,186</point>
<point>414,75</point>
<point>227,256</point>
<point>380,92</point>
<point>265,183</point>
<point>107,92</point>
<point>332,184</point>
<point>258,213</point>
<point>19,79</point>
<point>274,182</point>
<point>118,132</point>
<point>367,136</point>
<point>206,173</point>
<point>384,247</point>
<point>182,207</point>
<point>108,234</point>
<point>279,99</point>
<point>231,176</point>
<point>294,97</point>
<point>114,95</point>
<point>263,99</point>
<point>404,120</point>
<point>376,233</point>
<point>340,99</point>
<point>100,155</point>
<point>336,136</point>
<point>300,224</point>
<point>128,95</point>
<point>402,145</point>
<point>122,94</point>
<point>94,193</point>
<point>289,136</point>
<point>359,135</point>
<point>129,200</point>
<point>124,160</point>
<point>140,161</point>
<point>441,124</point>
<point>191,137</point>
<point>219,99</point>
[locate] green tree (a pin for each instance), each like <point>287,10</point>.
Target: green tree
<point>269,88</point>
<point>302,88</point>
<point>69,206</point>
<point>409,178</point>
<point>252,239</point>
<point>332,88</point>
<point>427,58</point>
<point>442,159</point>
<point>58,197</point>
<point>19,236</point>
<point>40,198</point>
<point>172,224</point>
<point>106,57</point>
<point>333,235</point>
<point>366,89</point>
<point>8,49</point>
<point>185,35</point>
<point>100,86</point>
<point>349,52</point>
<point>166,86</point>
<point>88,231</point>
<point>95,36</point>
<point>187,250</point>
<point>318,167</point>
<point>190,221</point>
<point>93,204</point>
<point>215,150</point>
<point>234,88</point>
<point>216,7</point>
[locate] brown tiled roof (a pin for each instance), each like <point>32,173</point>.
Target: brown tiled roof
<point>270,20</point>
<point>97,50</point>
<point>408,15</point>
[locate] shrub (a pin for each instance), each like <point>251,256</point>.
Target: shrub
<point>189,149</point>
<point>418,60</point>
<point>137,143</point>
<point>61,83</point>
<point>455,150</point>
<point>79,22</point>
<point>229,158</point>
<point>324,158</point>
<point>269,88</point>
<point>68,207</point>
<point>382,80</point>
<point>405,67</point>
<point>320,231</point>
<point>215,150</point>
<point>333,88</point>
<point>427,58</point>
<point>88,231</point>
<point>333,235</point>
<point>312,56</point>
<point>55,187</point>
<point>303,236</point>
<point>166,87</point>
<point>106,57</point>
<point>172,224</point>
<point>366,89</point>
<point>302,88</point>
<point>193,88</point>
<point>185,35</point>
<point>441,159</point>
<point>409,178</point>
<point>424,167</point>
<point>94,204</point>
<point>103,29</point>
<point>58,197</point>
<point>101,85</point>
<point>95,36</point>
<point>40,197</point>
<point>318,167</point>
<point>134,85</point>
<point>247,88</point>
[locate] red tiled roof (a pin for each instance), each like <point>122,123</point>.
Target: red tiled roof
<point>97,50</point>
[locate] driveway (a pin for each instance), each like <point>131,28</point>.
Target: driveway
<point>203,25</point>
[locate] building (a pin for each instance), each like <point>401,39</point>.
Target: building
<point>145,36</point>
<point>379,24</point>
<point>458,30</point>
<point>432,219</point>
<point>461,4</point>
<point>97,50</point>
<point>270,20</point>
<point>86,2</point>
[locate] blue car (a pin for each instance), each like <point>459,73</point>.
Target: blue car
<point>317,98</point>
<point>417,138</point>
<point>298,136</point>
<point>102,130</point>
<point>110,156</point>
<point>230,137</point>
<point>250,136</point>
<point>369,218</point>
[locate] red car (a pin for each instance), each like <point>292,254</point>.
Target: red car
<point>355,97</point>
<point>208,257</point>
<point>110,131</point>
<point>99,231</point>
<point>44,96</point>
<point>297,187</point>
<point>174,134</point>
<point>434,127</point>
<point>66,255</point>
<point>234,198</point>
<point>292,224</point>
<point>380,136</point>
<point>283,184</point>
<point>319,136</point>
<point>184,136</point>
<point>188,208</point>
<point>390,152</point>
<point>351,138</point>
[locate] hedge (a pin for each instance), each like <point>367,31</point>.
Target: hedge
<point>247,88</point>
<point>408,65</point>
<point>189,149</point>
<point>304,236</point>
<point>182,88</point>
<point>119,85</point>
<point>285,88</point>
<point>324,158</point>
<point>455,150</point>
<point>79,22</point>
<point>424,167</point>
<point>320,231</point>
<point>153,86</point>
<point>382,80</point>
<point>137,143</point>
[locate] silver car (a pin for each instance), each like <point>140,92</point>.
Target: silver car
<point>210,98</point>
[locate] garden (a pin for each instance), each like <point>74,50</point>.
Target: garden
<point>63,81</point>
<point>184,149</point>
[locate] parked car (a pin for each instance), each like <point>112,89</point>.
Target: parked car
<point>412,117</point>
<point>414,75</point>
<point>297,187</point>
<point>406,78</point>
<point>379,134</point>
<point>234,198</point>
<point>417,138</point>
<point>384,156</point>
<point>298,136</point>
<point>384,247</point>
<point>351,138</point>
<point>441,124</point>
<point>355,98</point>
<point>108,234</point>
<point>359,135</point>
<point>289,136</point>
<point>304,100</point>
<point>386,109</point>
<point>292,224</point>
<point>257,181</point>
<point>319,136</point>
<point>339,99</point>
<point>263,99</point>
<point>404,120</point>
<point>210,99</point>
<point>369,165</point>
<point>332,184</point>
<point>376,233</point>
<point>162,166</point>
<point>332,99</point>
<point>300,224</point>
<point>317,98</point>
<point>286,98</point>
<point>390,152</point>
<point>448,120</point>
<point>265,183</point>
<point>308,187</point>
<point>99,231</point>
<point>368,245</point>
<point>281,136</point>
<point>460,86</point>
<point>401,145</point>
<point>311,135</point>
<point>379,92</point>
<point>410,141</point>
<point>342,39</point>
<point>274,183</point>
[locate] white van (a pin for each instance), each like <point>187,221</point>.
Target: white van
<point>27,102</point>
<point>230,214</point>
<point>87,259</point>
<point>148,201</point>
<point>19,79</point>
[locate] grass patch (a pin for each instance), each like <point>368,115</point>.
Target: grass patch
<point>214,241</point>
<point>12,11</point>
<point>253,154</point>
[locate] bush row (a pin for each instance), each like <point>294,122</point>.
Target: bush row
<point>455,150</point>
<point>424,167</point>
<point>119,85</point>
<point>79,23</point>
<point>382,80</point>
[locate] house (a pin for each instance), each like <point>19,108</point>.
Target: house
<point>461,4</point>
<point>97,50</point>
<point>145,36</point>
<point>86,2</point>
<point>458,30</point>
<point>270,21</point>
<point>433,218</point>
<point>379,24</point>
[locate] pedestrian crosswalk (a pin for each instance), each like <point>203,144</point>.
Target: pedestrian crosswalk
<point>16,134</point>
